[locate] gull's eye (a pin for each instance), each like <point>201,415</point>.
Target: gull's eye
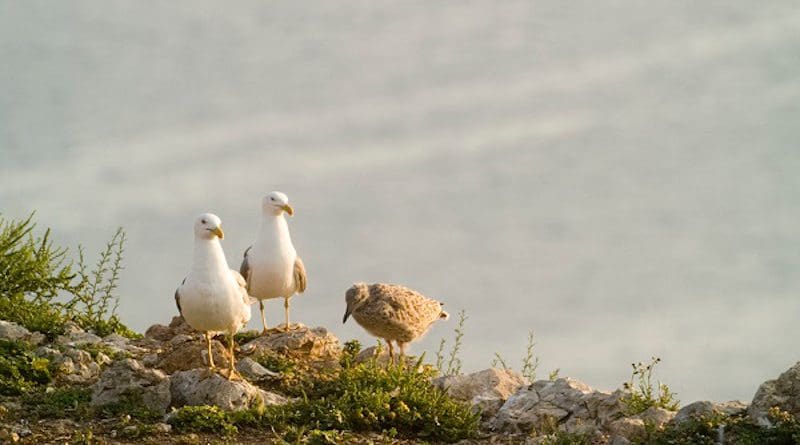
<point>271,198</point>
<point>203,221</point>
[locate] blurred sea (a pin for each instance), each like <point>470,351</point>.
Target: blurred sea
<point>621,178</point>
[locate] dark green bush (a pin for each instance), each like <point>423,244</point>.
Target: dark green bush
<point>20,369</point>
<point>130,404</point>
<point>202,419</point>
<point>66,402</point>
<point>738,430</point>
<point>40,289</point>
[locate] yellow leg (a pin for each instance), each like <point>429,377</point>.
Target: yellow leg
<point>402,347</point>
<point>286,309</point>
<point>391,350</point>
<point>210,355</point>
<point>263,319</point>
<point>233,373</point>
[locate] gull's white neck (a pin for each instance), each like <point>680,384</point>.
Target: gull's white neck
<point>208,256</point>
<point>274,230</point>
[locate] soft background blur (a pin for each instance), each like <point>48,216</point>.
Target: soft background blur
<point>621,179</point>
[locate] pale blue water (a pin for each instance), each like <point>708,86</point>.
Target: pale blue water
<point>621,179</point>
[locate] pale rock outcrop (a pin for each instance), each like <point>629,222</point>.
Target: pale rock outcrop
<point>485,390</point>
<point>314,344</point>
<point>783,393</point>
<point>203,387</point>
<point>128,377</point>
<point>12,331</point>
<point>568,404</point>
<point>191,355</point>
<point>252,370</point>
<point>706,408</point>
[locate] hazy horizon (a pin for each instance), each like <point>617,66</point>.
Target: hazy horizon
<point>621,180</point>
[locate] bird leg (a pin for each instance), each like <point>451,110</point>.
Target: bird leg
<point>233,374</point>
<point>286,308</point>
<point>263,319</point>
<point>402,347</point>
<point>210,355</point>
<point>391,351</point>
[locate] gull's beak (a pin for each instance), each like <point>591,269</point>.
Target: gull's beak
<point>218,231</point>
<point>346,315</point>
<point>288,209</point>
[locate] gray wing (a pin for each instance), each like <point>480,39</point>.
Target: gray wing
<point>300,280</point>
<point>244,269</point>
<point>178,297</point>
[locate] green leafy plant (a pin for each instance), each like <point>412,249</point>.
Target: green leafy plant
<point>737,429</point>
<point>40,288</point>
<point>644,393</point>
<point>453,361</point>
<point>58,403</point>
<point>204,418</point>
<point>530,363</point>
<point>20,369</point>
<point>129,403</point>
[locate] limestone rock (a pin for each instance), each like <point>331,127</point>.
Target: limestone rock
<point>78,339</point>
<point>192,355</point>
<point>164,333</point>
<point>783,392</point>
<point>252,370</point>
<point>316,344</point>
<point>627,427</point>
<point>204,387</point>
<point>656,416</point>
<point>486,390</point>
<point>569,404</point>
<point>706,408</point>
<point>127,377</point>
<point>76,366</point>
<point>12,331</point>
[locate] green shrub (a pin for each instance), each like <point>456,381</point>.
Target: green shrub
<point>738,430</point>
<point>40,288</point>
<point>643,394</point>
<point>369,397</point>
<point>202,419</point>
<point>20,369</point>
<point>128,404</point>
<point>67,402</point>
<point>453,360</point>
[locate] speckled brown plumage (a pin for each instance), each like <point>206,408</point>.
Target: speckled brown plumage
<point>392,312</point>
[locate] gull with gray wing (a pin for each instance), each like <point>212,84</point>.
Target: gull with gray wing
<point>271,266</point>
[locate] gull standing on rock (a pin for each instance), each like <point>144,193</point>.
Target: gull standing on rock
<point>392,312</point>
<point>271,265</point>
<point>213,298</point>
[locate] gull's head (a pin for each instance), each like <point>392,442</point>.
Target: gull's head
<point>208,226</point>
<point>276,203</point>
<point>355,297</point>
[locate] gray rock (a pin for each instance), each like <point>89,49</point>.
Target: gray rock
<point>315,344</point>
<point>252,370</point>
<point>12,331</point>
<point>656,416</point>
<point>569,404</point>
<point>127,377</point>
<point>78,339</point>
<point>76,366</point>
<point>486,390</point>
<point>204,387</point>
<point>706,408</point>
<point>627,428</point>
<point>783,393</point>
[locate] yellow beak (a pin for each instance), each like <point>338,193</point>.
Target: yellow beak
<point>288,209</point>
<point>218,231</point>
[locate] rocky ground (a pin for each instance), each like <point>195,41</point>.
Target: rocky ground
<point>166,370</point>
